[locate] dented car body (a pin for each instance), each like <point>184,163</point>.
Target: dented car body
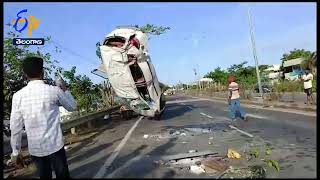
<point>127,65</point>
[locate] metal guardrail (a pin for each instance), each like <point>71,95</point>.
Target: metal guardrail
<point>86,118</point>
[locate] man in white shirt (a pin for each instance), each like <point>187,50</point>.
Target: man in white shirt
<point>36,106</point>
<point>307,84</point>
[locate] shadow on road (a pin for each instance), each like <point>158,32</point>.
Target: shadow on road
<point>175,110</point>
<point>145,167</point>
<point>91,152</point>
<point>88,170</point>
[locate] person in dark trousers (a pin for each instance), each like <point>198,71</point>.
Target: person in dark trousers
<point>234,100</point>
<point>307,84</point>
<point>36,106</point>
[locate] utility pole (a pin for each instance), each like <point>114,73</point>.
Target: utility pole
<point>198,77</point>
<point>255,53</point>
<point>195,74</point>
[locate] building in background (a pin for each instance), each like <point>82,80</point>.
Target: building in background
<point>292,69</point>
<point>273,73</point>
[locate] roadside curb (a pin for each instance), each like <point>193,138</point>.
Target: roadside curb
<point>265,104</point>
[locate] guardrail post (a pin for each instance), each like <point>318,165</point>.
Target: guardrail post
<point>73,131</point>
<point>90,125</point>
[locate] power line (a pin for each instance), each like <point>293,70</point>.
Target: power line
<point>88,60</point>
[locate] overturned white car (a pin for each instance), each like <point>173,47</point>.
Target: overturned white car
<point>127,65</point>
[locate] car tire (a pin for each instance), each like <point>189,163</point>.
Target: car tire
<point>157,116</point>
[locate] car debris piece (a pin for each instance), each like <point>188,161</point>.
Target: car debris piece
<point>176,133</point>
<point>145,136</point>
<point>183,134</point>
<point>215,164</point>
<point>208,169</point>
<point>127,65</point>
<point>192,151</point>
<point>107,116</point>
<point>198,163</point>
<point>188,155</point>
<point>196,169</point>
<point>233,154</point>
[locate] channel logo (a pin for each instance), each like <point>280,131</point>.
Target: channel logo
<point>21,24</point>
<point>28,41</point>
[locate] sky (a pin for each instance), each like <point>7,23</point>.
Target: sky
<point>202,35</point>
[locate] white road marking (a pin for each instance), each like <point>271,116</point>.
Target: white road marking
<point>239,130</point>
<point>189,107</point>
<point>126,165</point>
<point>115,153</point>
<point>203,114</point>
<point>257,116</point>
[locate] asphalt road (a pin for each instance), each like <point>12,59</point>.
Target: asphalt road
<point>120,149</point>
<point>111,154</point>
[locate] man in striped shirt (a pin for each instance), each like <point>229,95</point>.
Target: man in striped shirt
<point>234,100</point>
<point>36,106</point>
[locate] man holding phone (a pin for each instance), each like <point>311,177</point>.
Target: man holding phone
<point>307,84</point>
<point>36,106</point>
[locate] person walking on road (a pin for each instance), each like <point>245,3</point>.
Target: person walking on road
<point>36,106</point>
<point>234,100</point>
<point>307,84</point>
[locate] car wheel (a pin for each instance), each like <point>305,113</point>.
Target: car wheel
<point>157,116</point>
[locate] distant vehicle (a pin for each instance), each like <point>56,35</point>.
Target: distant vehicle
<point>169,92</point>
<point>266,88</point>
<point>128,67</point>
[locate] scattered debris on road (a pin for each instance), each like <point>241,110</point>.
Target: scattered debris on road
<point>251,172</point>
<point>217,164</point>
<point>196,169</point>
<point>67,147</point>
<point>188,155</point>
<point>233,154</point>
<point>106,117</point>
<point>145,136</point>
<point>199,130</point>
<point>192,151</point>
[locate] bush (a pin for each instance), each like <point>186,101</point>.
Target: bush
<point>288,86</point>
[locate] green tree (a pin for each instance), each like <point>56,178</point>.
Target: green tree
<point>246,75</point>
<point>13,78</point>
<point>153,29</point>
<point>295,53</point>
<point>310,62</point>
<point>85,92</point>
<point>218,75</point>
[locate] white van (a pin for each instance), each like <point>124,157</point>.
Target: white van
<point>128,67</point>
